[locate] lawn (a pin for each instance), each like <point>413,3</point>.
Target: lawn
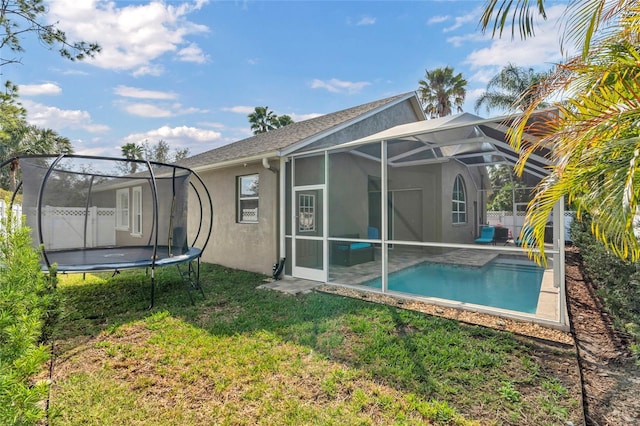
<point>246,356</point>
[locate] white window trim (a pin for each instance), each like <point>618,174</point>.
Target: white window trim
<point>136,210</point>
<point>241,198</point>
<point>120,209</point>
<point>306,212</point>
<point>461,204</point>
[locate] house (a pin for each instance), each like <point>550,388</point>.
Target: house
<point>247,179</point>
<point>352,196</point>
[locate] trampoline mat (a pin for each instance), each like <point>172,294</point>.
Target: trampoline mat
<point>111,258</point>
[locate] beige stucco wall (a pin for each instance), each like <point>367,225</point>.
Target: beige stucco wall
<point>255,247</point>
<point>421,199</point>
<point>348,199</point>
<point>248,246</point>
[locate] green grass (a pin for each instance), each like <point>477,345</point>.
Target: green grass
<point>249,356</point>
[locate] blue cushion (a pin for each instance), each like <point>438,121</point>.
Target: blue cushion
<point>353,246</point>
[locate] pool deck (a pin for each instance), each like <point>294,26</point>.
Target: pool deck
<point>548,299</point>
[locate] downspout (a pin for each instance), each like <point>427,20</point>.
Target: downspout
<point>282,208</point>
<point>266,165</point>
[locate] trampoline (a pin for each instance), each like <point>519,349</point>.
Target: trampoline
<point>90,213</point>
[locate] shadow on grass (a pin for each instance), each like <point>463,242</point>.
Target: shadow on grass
<point>403,348</point>
<point>429,356</point>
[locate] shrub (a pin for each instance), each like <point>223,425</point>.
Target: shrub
<point>617,281</point>
<point>25,307</point>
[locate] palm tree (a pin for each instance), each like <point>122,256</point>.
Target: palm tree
<point>262,120</point>
<point>594,135</point>
<point>132,151</point>
<point>440,90</point>
<point>583,19</point>
<point>26,138</point>
<point>513,88</point>
<point>284,120</point>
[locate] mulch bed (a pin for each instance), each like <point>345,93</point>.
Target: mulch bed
<point>610,377</point>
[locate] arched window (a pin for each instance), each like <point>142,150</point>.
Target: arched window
<point>459,205</point>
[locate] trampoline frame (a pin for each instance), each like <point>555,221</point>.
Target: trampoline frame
<point>189,275</point>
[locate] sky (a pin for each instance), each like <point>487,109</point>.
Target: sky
<point>189,72</point>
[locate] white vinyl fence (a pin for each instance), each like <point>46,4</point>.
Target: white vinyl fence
<point>64,227</point>
<point>4,211</point>
<point>514,223</point>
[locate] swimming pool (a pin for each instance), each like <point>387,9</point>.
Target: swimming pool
<point>505,283</point>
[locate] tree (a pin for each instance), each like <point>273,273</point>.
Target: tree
<point>132,151</point>
<point>595,134</point>
<point>510,189</point>
<point>12,114</point>
<point>161,152</point>
<point>513,88</point>
<point>180,154</point>
<point>23,138</point>
<point>583,19</point>
<point>262,120</point>
<point>18,17</point>
<point>284,120</point>
<point>441,90</point>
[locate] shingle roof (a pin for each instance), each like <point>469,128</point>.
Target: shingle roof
<point>284,137</point>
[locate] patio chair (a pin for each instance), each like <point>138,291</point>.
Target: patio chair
<point>527,233</point>
<point>487,235</point>
<point>501,235</point>
<point>347,253</point>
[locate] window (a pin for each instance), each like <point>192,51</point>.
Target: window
<point>459,206</point>
<point>137,211</point>
<point>122,209</point>
<point>248,191</point>
<point>306,213</point>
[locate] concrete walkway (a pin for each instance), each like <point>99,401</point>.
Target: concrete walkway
<point>292,286</point>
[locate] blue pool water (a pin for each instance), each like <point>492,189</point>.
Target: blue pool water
<point>511,284</point>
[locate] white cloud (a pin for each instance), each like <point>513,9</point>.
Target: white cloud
<point>151,110</point>
<point>197,140</point>
<point>540,51</point>
<point>240,109</point>
<point>39,89</point>
<point>192,53</point>
<point>438,19</point>
<point>302,117</point>
<point>459,21</point>
<point>458,41</point>
<point>60,119</point>
<point>536,51</point>
<point>147,110</point>
<point>213,125</point>
<point>131,36</point>
<point>484,74</point>
<point>153,70</point>
<point>135,92</point>
<point>366,20</point>
<point>339,86</point>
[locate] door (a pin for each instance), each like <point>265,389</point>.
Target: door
<point>308,233</point>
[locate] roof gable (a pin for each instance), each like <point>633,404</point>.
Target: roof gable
<point>292,136</point>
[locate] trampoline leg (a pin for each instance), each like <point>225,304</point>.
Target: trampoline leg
<point>191,279</point>
<point>198,278</point>
<point>153,287</point>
